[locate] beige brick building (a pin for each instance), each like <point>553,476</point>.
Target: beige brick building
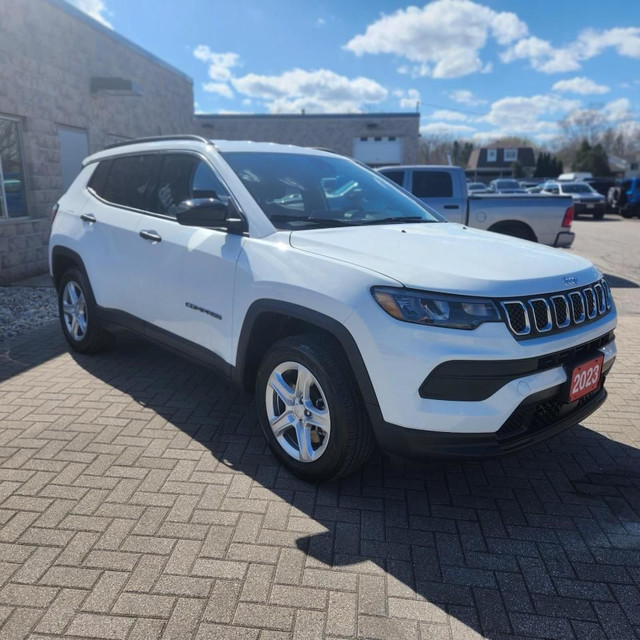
<point>374,138</point>
<point>68,86</point>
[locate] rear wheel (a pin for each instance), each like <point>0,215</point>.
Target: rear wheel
<point>310,408</point>
<point>77,311</point>
<point>514,229</point>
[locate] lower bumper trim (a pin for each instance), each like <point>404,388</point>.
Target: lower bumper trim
<point>416,443</point>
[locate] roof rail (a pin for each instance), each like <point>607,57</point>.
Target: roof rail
<point>185,136</point>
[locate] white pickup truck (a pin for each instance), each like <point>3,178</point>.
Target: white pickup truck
<point>544,219</point>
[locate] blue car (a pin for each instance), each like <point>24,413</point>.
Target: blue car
<point>625,197</point>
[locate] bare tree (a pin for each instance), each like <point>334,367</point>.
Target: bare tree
<point>583,124</point>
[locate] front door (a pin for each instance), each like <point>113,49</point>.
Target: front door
<point>435,188</point>
<point>187,279</point>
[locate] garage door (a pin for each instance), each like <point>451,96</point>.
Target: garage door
<point>378,150</point>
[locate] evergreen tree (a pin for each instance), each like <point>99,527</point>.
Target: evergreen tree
<point>583,159</point>
<point>599,161</point>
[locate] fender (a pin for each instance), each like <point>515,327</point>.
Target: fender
<point>328,324</point>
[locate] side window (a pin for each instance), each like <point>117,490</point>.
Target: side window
<point>206,183</point>
<point>432,184</point>
<point>396,176</point>
<point>184,177</point>
<point>98,180</point>
<point>131,179</point>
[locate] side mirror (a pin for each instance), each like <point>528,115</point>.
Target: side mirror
<point>202,212</point>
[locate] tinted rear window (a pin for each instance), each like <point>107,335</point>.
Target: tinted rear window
<point>131,179</point>
<point>99,178</point>
<point>432,184</point>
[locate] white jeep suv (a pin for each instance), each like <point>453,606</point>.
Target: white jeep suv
<point>355,313</point>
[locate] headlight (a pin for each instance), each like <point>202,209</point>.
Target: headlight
<point>435,309</point>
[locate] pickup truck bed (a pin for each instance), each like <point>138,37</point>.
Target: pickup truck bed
<point>537,217</point>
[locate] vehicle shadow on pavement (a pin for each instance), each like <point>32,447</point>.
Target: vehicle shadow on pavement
<point>545,543</point>
<point>25,352</point>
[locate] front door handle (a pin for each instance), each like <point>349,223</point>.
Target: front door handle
<point>88,217</point>
<point>150,235</point>
<point>451,206</point>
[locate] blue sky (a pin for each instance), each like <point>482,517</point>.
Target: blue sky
<point>478,69</point>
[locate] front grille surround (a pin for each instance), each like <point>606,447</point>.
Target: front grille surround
<point>533,316</point>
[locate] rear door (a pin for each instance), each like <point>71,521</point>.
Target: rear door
<point>110,218</point>
<point>437,189</point>
<point>187,274</point>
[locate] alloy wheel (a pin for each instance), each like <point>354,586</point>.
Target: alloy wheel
<point>74,311</point>
<point>298,412</point>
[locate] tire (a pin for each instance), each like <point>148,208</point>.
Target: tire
<point>627,213</point>
<point>515,229</point>
<point>90,338</point>
<point>335,401</point>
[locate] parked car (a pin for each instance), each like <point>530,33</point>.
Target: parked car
<point>505,185</point>
<point>361,320</point>
<point>443,188</point>
<point>537,189</point>
<point>476,187</point>
<point>624,197</point>
<point>585,199</point>
<point>574,176</point>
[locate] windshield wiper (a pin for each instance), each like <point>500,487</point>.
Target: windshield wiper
<point>335,222</point>
<point>397,219</point>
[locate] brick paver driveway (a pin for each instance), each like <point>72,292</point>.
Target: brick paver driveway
<point>138,500</point>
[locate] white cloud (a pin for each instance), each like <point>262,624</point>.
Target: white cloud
<point>581,85</point>
<point>444,37</point>
<point>447,114</point>
<point>617,110</point>
<point>319,91</point>
<point>408,99</point>
<point>321,22</point>
<point>95,9</point>
<point>590,43</point>
<point>218,87</point>
<point>521,114</point>
<point>220,64</point>
<point>445,128</point>
<point>464,96</point>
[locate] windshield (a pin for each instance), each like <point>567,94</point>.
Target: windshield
<point>577,188</point>
<point>304,191</point>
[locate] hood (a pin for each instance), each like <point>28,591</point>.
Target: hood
<point>450,258</point>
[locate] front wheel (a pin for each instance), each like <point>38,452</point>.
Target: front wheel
<point>77,310</point>
<point>310,408</point>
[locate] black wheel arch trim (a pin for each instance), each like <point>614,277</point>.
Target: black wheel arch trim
<point>62,251</point>
<point>322,321</point>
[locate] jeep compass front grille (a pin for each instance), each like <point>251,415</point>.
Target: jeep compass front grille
<point>537,315</point>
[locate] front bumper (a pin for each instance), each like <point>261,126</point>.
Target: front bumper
<point>398,357</point>
<point>535,420</point>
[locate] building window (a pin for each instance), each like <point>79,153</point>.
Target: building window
<point>510,155</point>
<point>13,192</point>
<point>492,155</point>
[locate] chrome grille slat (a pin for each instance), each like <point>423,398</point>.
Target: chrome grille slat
<point>531,316</point>
<point>541,314</point>
<point>577,306</point>
<point>557,301</point>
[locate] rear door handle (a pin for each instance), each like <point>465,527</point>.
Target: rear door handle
<point>88,217</point>
<point>150,235</point>
<point>451,206</point>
